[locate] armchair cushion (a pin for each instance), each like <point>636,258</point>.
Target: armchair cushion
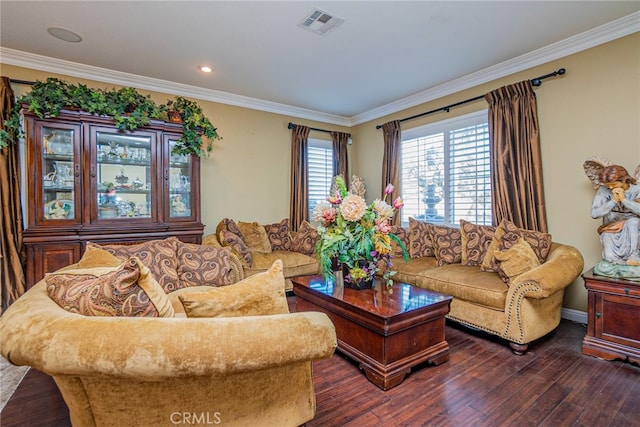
<point>127,290</point>
<point>261,294</point>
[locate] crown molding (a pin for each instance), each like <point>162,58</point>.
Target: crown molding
<point>599,35</point>
<point>613,30</point>
<point>89,72</point>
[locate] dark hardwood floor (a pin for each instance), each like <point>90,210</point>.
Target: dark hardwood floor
<point>482,384</point>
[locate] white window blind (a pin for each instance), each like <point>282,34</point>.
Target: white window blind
<point>445,174</point>
<point>320,173</point>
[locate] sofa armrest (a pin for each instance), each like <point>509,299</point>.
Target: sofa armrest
<point>34,331</point>
<point>564,264</point>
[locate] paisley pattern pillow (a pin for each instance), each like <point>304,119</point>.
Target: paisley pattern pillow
<point>227,238</point>
<point>200,265</point>
<point>279,235</point>
<point>158,255</point>
<point>229,225</point>
<point>305,239</point>
<point>447,244</point>
<point>128,290</point>
<point>420,244</point>
<point>403,234</point>
<point>475,241</point>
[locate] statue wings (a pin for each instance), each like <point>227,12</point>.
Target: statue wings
<point>593,165</point>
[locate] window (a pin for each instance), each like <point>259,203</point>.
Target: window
<point>320,172</point>
<point>445,173</point>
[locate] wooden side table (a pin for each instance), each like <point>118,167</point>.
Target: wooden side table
<point>613,329</point>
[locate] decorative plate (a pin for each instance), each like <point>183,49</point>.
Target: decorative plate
<point>58,209</point>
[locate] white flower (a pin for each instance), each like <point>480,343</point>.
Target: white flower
<point>319,210</point>
<point>383,208</point>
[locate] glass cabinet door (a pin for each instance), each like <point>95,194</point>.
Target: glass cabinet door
<point>58,148</point>
<point>180,179</point>
<point>123,174</point>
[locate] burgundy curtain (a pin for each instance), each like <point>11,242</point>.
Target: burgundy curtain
<point>12,251</point>
<point>340,158</point>
<point>516,164</point>
<point>299,208</point>
<point>391,160</point>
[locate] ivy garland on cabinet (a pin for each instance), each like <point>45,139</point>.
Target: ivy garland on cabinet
<point>128,108</point>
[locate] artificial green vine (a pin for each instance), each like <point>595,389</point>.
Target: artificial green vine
<point>126,106</point>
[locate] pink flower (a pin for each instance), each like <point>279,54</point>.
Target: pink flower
<point>329,215</point>
<point>388,189</point>
<point>383,226</point>
<point>335,200</point>
<point>398,203</point>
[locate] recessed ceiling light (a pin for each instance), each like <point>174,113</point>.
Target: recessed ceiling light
<point>65,35</point>
<point>205,69</point>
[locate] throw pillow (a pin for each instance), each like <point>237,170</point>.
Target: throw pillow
<point>227,238</point>
<point>507,234</point>
<point>516,260</point>
<point>200,265</point>
<point>255,236</point>
<point>229,225</point>
<point>420,244</point>
<point>158,255</point>
<point>305,239</point>
<point>260,294</point>
<point>475,241</point>
<point>96,257</point>
<point>127,290</point>
<point>447,244</point>
<point>279,235</point>
<point>403,234</point>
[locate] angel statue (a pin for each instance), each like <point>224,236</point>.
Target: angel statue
<point>617,202</point>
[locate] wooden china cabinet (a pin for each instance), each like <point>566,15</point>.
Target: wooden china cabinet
<point>89,181</point>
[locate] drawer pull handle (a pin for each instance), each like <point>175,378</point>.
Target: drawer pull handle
<point>626,291</point>
<point>598,315</point>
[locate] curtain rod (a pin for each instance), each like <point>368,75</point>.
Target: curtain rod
<point>535,82</point>
<point>22,82</point>
<point>293,125</point>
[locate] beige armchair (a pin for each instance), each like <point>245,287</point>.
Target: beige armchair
<point>141,371</point>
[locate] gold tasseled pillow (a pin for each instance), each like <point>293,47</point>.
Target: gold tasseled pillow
<point>255,236</point>
<point>260,294</point>
<point>94,256</point>
<point>126,290</point>
<point>516,260</point>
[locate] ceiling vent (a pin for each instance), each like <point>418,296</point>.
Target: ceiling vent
<point>321,22</point>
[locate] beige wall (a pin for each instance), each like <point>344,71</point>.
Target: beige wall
<point>593,110</point>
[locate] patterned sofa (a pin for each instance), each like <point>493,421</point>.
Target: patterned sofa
<point>505,281</point>
<point>257,246</point>
<point>127,349</point>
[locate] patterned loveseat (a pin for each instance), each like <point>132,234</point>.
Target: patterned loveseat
<point>127,349</point>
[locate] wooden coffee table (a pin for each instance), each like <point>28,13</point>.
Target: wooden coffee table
<point>388,331</point>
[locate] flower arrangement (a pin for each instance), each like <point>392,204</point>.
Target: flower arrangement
<point>356,235</point>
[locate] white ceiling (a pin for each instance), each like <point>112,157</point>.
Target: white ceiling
<point>386,54</point>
